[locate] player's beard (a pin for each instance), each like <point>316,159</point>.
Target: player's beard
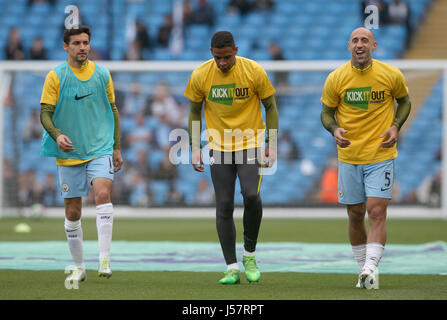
<point>363,62</point>
<point>228,67</point>
<point>81,59</point>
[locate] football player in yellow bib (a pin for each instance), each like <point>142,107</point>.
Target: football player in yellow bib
<point>358,110</point>
<point>232,87</point>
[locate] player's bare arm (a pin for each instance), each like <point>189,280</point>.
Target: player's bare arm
<point>64,143</point>
<point>195,116</point>
<point>117,160</point>
<point>339,139</point>
<point>271,115</point>
<point>197,160</point>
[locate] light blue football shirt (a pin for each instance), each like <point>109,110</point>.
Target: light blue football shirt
<point>83,113</point>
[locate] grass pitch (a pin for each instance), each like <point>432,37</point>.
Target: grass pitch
<point>49,285</point>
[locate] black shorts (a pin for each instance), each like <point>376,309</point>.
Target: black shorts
<point>227,166</point>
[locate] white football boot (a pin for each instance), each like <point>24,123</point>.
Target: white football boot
<point>76,275</point>
<point>369,278</point>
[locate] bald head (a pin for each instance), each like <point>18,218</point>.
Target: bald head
<point>362,32</point>
<point>361,44</point>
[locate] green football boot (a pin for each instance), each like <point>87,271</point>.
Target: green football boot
<point>251,269</point>
<point>232,276</point>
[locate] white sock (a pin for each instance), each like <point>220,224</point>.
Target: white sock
<point>374,251</point>
<point>249,254</point>
<point>359,254</point>
<point>104,224</point>
<point>73,230</point>
<point>233,266</point>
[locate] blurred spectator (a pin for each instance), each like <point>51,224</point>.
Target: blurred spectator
<point>162,133</point>
<point>138,40</point>
<point>307,167</point>
<point>30,191</point>
<point>164,103</point>
<point>166,170</point>
<point>135,190</point>
<point>142,35</point>
<point>14,46</point>
<point>187,13</point>
<point>33,128</point>
<point>164,32</point>
<point>141,136</point>
<point>134,52</point>
<point>141,165</point>
<point>434,197</point>
<point>281,78</point>
<point>275,51</point>
<point>175,197</point>
<point>9,99</point>
<point>139,195</point>
<point>399,13</point>
<point>50,195</point>
<point>97,55</point>
<point>329,183</point>
<point>9,185</point>
<point>31,2</point>
<point>203,13</point>
<point>204,194</point>
<point>241,7</point>
<point>381,6</point>
<point>287,148</point>
<point>265,5</point>
<point>123,184</point>
<point>134,100</point>
<point>37,51</point>
<point>396,193</point>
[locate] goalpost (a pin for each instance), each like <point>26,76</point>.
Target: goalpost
<point>8,68</point>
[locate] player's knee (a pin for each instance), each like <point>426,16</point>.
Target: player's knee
<point>377,214</point>
<point>73,208</point>
<point>224,209</point>
<point>356,213</point>
<point>72,214</point>
<point>252,199</point>
<point>102,196</point>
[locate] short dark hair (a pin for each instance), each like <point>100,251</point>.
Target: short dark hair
<point>75,31</point>
<point>222,39</point>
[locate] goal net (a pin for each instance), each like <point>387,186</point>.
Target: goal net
<point>154,121</point>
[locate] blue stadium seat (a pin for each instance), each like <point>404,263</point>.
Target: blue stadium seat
<point>198,31</point>
<point>162,54</point>
<point>190,54</point>
<point>155,158</point>
<point>254,19</point>
<point>160,190</point>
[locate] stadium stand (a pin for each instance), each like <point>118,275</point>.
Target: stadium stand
<point>291,24</point>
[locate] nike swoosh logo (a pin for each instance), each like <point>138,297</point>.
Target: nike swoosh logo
<point>384,189</point>
<point>82,97</point>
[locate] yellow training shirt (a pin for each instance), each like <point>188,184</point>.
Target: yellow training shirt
<point>232,103</point>
<point>50,95</point>
<point>365,108</point>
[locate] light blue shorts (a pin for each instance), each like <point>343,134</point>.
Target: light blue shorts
<point>356,182</point>
<point>74,181</point>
